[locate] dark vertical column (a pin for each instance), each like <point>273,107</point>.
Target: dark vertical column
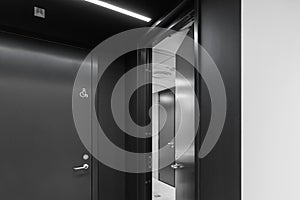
<point>138,186</point>
<point>144,99</point>
<point>111,182</point>
<point>219,33</point>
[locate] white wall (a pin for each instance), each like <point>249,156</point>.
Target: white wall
<point>271,99</point>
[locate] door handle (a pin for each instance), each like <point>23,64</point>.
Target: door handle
<point>177,166</point>
<point>171,144</point>
<point>83,167</point>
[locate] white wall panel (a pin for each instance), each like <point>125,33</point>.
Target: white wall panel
<point>271,99</point>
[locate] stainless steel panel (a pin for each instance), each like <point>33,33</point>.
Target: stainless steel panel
<point>185,102</point>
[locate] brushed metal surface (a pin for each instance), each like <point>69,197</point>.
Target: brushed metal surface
<point>185,108</point>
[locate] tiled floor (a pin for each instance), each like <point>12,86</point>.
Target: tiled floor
<point>162,191</point>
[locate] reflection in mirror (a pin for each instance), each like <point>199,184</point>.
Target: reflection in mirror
<point>164,106</point>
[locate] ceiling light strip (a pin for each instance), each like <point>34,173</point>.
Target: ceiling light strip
<point>120,10</point>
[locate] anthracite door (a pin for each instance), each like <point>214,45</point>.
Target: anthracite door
<point>39,146</point>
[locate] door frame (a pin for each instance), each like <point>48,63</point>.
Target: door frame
<point>94,128</point>
<point>175,20</point>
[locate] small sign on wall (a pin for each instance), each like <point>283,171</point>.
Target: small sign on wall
<point>39,12</point>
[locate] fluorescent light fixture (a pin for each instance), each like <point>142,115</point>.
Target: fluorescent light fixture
<point>120,10</point>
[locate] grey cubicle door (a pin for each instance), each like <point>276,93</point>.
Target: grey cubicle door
<point>39,146</point>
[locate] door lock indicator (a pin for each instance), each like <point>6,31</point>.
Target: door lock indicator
<point>85,157</point>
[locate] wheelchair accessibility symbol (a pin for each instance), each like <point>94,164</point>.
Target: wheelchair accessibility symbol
<point>83,94</point>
